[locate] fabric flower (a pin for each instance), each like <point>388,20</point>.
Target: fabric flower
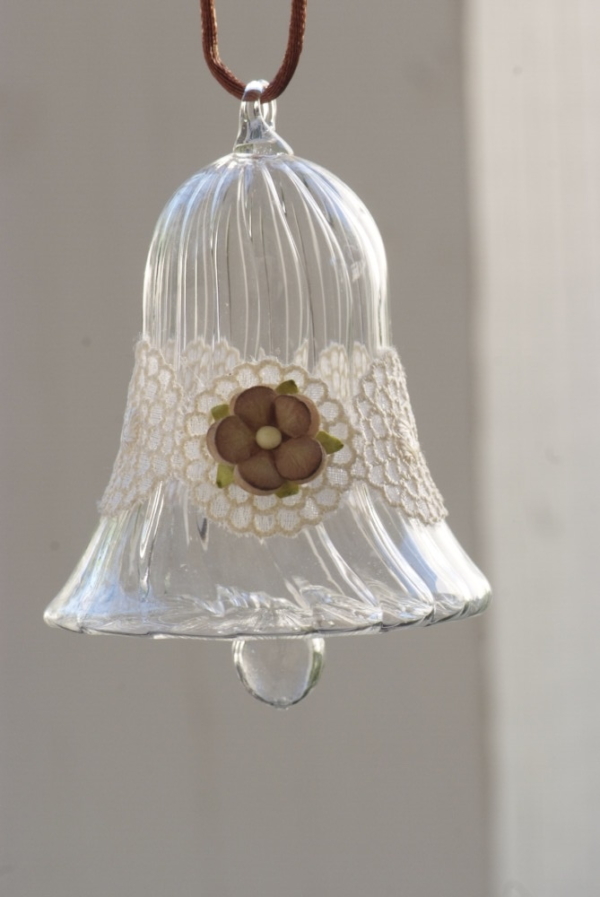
<point>268,441</point>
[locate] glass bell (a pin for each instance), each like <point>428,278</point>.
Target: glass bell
<point>269,488</point>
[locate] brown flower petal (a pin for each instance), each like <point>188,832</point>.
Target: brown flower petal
<point>230,441</point>
<point>255,406</point>
<point>300,460</point>
<point>259,474</point>
<point>296,416</point>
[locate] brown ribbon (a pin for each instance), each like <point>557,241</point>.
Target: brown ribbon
<point>225,76</point>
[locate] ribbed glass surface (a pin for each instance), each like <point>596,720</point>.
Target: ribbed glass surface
<point>270,253</point>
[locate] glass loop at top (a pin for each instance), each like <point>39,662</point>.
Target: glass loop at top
<point>257,133</point>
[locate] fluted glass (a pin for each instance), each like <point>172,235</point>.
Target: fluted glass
<point>271,253</point>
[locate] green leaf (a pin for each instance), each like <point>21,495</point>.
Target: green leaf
<point>287,489</point>
<point>330,443</point>
<point>224,475</point>
<point>220,411</point>
<point>287,388</point>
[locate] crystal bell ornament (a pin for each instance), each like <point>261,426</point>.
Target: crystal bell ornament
<point>269,487</point>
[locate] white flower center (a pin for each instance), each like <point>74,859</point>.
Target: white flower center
<point>268,437</point>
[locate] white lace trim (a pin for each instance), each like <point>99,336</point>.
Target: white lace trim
<point>390,457</point>
<point>362,401</point>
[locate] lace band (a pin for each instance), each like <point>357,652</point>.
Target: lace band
<point>267,448</point>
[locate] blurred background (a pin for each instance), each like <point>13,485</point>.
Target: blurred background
<point>459,761</point>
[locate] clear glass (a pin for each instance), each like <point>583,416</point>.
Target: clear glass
<point>269,252</point>
<point>279,671</point>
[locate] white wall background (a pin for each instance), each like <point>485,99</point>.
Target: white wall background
<point>138,768</point>
<point>534,115</point>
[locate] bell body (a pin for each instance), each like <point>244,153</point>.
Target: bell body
<point>264,268</point>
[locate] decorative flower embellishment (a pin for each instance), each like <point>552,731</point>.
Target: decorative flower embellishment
<point>268,441</point>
